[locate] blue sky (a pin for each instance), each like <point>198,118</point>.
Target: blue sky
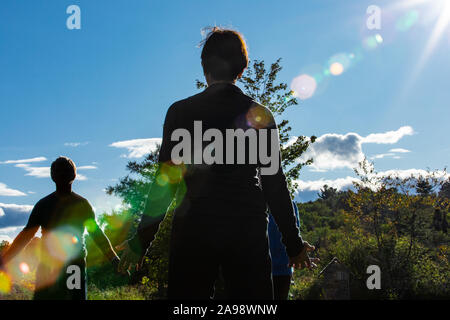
<point>77,92</point>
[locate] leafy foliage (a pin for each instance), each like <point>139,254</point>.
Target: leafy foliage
<point>382,221</point>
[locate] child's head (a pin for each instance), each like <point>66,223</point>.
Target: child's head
<point>224,55</point>
<point>63,171</point>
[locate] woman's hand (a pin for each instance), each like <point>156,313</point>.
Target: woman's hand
<point>303,260</point>
<point>129,259</point>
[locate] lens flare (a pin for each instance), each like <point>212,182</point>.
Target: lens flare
<point>378,38</point>
<point>407,21</point>
<point>5,283</point>
<point>24,268</point>
<point>257,117</point>
<point>61,245</point>
<point>336,69</point>
<point>162,179</point>
<point>370,43</point>
<point>339,63</point>
<point>304,86</point>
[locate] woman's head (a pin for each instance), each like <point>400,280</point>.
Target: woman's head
<point>224,55</point>
<point>63,171</point>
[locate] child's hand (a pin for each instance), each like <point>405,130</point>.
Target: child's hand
<point>130,259</point>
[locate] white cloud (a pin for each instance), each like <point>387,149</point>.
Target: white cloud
<point>382,155</point>
<point>75,144</point>
<point>14,215</point>
<point>316,185</point>
<point>10,229</point>
<point>8,192</point>
<point>9,233</point>
<point>22,208</point>
<point>389,137</point>
<point>44,172</point>
<point>137,148</point>
<point>335,151</point>
<point>416,173</point>
<point>87,168</point>
<point>4,237</point>
<point>399,150</point>
<point>38,172</point>
<point>37,159</point>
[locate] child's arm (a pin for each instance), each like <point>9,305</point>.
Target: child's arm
<point>97,234</point>
<point>25,236</point>
<point>20,242</point>
<point>102,241</point>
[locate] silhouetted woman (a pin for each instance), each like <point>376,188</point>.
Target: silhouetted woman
<point>220,217</point>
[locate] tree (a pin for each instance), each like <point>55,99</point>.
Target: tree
<point>327,193</point>
<point>445,190</point>
<point>399,222</point>
<point>423,187</point>
<point>259,84</point>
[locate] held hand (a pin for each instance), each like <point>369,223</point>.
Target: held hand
<point>115,263</point>
<point>303,260</point>
<point>129,259</point>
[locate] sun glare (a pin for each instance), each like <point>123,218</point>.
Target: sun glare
<point>432,13</point>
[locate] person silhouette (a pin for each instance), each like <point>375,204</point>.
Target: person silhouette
<point>220,219</point>
<point>63,217</point>
<point>281,271</point>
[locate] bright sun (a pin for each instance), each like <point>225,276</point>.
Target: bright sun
<point>435,13</point>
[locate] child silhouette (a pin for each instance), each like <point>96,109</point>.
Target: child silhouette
<point>63,217</point>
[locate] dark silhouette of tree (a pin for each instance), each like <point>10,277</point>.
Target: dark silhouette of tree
<point>327,193</point>
<point>445,190</point>
<point>424,188</point>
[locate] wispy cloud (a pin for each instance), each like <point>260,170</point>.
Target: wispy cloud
<point>389,137</point>
<point>399,150</point>
<point>8,192</point>
<point>75,144</point>
<point>87,168</point>
<point>9,233</point>
<point>382,155</point>
<point>38,172</point>
<point>316,185</point>
<point>44,172</point>
<point>415,173</point>
<point>347,182</point>
<point>137,148</point>
<point>31,160</point>
<point>22,208</point>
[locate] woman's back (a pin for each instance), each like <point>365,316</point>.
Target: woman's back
<point>222,182</point>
